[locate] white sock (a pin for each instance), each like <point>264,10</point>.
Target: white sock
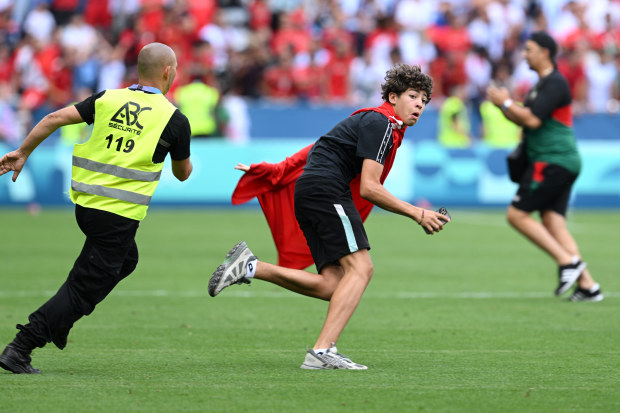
<point>251,268</point>
<point>575,259</point>
<point>594,288</point>
<point>320,350</point>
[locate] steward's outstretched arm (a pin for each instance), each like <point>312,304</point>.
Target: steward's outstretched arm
<point>14,161</point>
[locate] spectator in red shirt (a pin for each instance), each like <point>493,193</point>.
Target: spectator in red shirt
<point>447,71</point>
<point>453,42</point>
<point>292,32</point>
<point>202,11</point>
<point>335,30</point>
<point>97,14</point>
<point>382,40</point>
<point>337,73</point>
<point>453,37</point>
<point>260,15</point>
<point>309,80</point>
<point>570,64</point>
<point>6,63</point>
<point>178,32</point>
<point>278,81</point>
<point>151,16</point>
<point>33,63</point>
<point>609,38</point>
<point>582,34</point>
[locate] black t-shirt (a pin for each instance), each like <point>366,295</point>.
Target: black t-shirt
<point>337,157</point>
<point>550,93</point>
<point>176,134</point>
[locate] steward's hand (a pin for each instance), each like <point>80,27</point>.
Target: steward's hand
<point>12,161</point>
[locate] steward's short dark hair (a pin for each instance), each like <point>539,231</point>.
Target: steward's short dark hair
<point>402,77</point>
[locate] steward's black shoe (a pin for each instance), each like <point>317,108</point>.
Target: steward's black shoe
<point>14,361</point>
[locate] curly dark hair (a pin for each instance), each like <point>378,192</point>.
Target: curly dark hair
<point>402,77</point>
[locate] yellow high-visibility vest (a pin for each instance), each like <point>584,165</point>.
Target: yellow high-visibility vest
<point>498,131</point>
<point>454,111</point>
<point>198,102</point>
<point>114,171</point>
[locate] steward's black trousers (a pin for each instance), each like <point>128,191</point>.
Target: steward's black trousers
<point>109,255</point>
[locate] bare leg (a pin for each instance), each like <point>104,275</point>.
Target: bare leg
<point>538,234</point>
<point>556,225</point>
<point>303,282</point>
<point>358,271</point>
<point>342,285</point>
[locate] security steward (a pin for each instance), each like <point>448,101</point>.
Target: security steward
<point>114,176</point>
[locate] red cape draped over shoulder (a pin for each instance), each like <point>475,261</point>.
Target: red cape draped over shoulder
<point>274,186</point>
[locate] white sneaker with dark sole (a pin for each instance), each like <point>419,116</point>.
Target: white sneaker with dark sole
<point>568,274</point>
<point>233,270</point>
<point>330,360</point>
<point>593,295</point>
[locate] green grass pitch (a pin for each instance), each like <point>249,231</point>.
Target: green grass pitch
<point>462,321</point>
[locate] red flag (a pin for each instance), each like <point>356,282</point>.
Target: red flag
<point>274,186</point>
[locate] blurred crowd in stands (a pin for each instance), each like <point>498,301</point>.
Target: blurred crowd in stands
<point>55,52</point>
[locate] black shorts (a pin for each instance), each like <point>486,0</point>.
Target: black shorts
<point>544,187</point>
<point>331,224</point>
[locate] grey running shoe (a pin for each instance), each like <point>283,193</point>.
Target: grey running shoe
<point>568,274</point>
<point>581,294</point>
<point>233,270</point>
<point>329,360</point>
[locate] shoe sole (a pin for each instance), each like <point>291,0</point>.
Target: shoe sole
<point>232,255</point>
<point>325,365</point>
<point>595,299</point>
<point>15,370</point>
<point>566,286</point>
<point>308,367</point>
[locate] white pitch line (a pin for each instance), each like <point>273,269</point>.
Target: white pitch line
<point>285,294</point>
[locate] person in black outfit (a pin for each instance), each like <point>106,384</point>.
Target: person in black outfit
<point>114,175</point>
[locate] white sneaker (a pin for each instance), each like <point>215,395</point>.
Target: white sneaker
<point>233,270</point>
<point>594,294</point>
<point>568,274</point>
<point>330,360</point>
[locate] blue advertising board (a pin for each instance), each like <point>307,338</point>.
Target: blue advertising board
<point>423,171</point>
